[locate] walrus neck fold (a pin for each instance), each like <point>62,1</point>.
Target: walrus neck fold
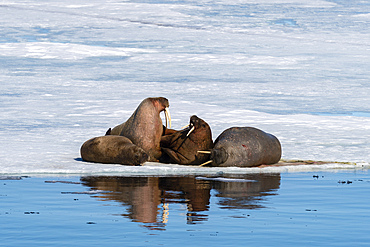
<point>219,156</point>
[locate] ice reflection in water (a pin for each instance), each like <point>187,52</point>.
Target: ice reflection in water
<point>148,198</point>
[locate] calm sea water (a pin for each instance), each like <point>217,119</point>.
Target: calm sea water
<point>289,209</point>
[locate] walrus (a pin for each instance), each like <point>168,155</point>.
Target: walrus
<point>144,128</point>
<point>182,146</point>
<point>244,147</point>
<point>113,150</point>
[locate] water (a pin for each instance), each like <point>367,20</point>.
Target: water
<point>315,209</point>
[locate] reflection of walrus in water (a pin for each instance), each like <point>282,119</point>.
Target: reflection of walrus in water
<point>182,146</point>
<point>243,195</point>
<point>245,147</point>
<point>113,150</point>
<point>144,128</point>
<point>147,195</point>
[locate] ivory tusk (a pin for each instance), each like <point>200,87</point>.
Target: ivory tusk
<point>185,126</point>
<point>191,130</point>
<point>206,163</point>
<point>204,152</point>
<point>168,117</point>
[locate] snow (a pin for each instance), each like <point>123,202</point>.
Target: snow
<point>296,69</point>
<point>47,50</point>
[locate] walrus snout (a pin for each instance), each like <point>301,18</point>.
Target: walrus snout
<point>192,125</point>
<point>219,156</point>
<point>196,123</point>
<point>162,104</point>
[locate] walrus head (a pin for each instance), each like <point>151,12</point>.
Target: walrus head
<point>182,146</point>
<point>197,125</point>
<point>162,104</point>
<point>163,101</point>
<point>139,156</point>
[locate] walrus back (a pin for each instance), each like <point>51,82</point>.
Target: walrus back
<point>112,150</point>
<point>247,146</point>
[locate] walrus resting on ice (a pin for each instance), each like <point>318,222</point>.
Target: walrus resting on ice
<point>113,150</point>
<point>244,147</point>
<point>144,128</point>
<point>182,146</point>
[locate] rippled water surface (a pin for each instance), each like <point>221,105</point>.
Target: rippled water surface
<point>292,209</point>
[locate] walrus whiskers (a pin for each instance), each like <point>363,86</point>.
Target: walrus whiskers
<point>168,116</point>
<point>204,152</point>
<point>206,163</point>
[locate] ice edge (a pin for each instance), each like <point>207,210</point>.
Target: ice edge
<point>156,169</point>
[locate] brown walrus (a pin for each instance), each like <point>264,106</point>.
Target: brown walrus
<point>182,147</point>
<point>245,147</point>
<point>144,128</point>
<point>113,150</point>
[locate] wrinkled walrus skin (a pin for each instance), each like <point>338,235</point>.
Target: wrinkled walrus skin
<point>113,150</point>
<point>182,147</point>
<point>144,128</point>
<point>245,147</point>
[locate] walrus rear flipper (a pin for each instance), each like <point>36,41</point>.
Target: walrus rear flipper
<point>109,131</point>
<point>175,157</point>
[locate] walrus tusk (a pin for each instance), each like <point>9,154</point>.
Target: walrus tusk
<point>206,163</point>
<point>204,152</point>
<point>185,126</point>
<point>168,116</point>
<point>191,130</point>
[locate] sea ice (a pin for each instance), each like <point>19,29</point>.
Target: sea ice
<point>68,72</point>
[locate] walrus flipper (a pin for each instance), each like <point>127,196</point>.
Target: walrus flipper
<point>109,131</point>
